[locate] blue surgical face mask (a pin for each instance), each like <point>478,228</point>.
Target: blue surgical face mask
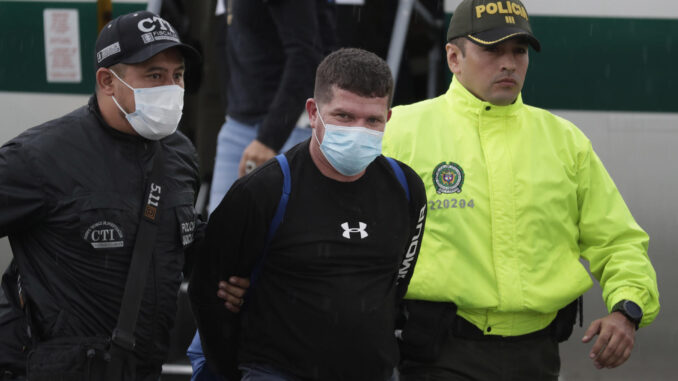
<point>349,149</point>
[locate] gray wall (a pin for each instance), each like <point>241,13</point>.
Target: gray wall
<point>639,151</point>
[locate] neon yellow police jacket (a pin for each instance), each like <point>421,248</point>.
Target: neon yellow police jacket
<point>516,196</point>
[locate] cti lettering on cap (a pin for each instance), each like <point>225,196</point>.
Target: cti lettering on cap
<point>506,7</point>
<point>149,24</point>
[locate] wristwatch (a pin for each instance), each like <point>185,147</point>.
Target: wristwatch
<point>631,310</point>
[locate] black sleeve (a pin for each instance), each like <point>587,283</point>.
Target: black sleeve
<point>233,242</point>
<point>297,25</point>
<point>194,250</point>
<point>200,225</point>
<point>22,197</point>
<point>417,213</point>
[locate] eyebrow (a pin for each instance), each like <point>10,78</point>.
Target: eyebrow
<point>161,68</point>
<point>342,111</point>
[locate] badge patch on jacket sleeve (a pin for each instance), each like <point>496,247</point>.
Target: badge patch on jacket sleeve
<point>448,178</point>
<point>187,232</point>
<point>186,219</point>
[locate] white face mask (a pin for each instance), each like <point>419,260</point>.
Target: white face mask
<point>158,110</point>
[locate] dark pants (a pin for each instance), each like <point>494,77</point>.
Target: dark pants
<point>256,372</point>
<point>533,357</point>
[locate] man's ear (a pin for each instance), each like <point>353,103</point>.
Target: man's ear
<point>104,80</point>
<point>388,116</point>
<point>312,111</point>
<point>454,56</point>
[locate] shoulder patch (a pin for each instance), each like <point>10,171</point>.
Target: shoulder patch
<point>448,178</point>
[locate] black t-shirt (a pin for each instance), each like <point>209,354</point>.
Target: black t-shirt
<point>323,307</point>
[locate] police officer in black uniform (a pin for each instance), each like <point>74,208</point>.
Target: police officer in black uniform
<point>71,197</point>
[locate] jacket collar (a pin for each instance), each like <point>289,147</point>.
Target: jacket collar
<point>459,98</point>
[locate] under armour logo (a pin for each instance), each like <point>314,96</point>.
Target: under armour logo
<point>348,230</point>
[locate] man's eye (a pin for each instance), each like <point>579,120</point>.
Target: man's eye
<point>155,76</point>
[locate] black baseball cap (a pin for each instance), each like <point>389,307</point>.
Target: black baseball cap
<point>488,22</point>
<point>136,37</point>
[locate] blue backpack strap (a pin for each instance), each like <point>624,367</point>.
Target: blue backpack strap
<point>279,213</point>
<point>400,175</point>
<point>282,204</point>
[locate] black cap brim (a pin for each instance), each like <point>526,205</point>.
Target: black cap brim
<point>190,53</point>
<point>498,35</point>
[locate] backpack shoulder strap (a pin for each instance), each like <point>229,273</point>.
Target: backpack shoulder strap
<point>278,217</point>
<point>400,175</point>
<point>284,197</point>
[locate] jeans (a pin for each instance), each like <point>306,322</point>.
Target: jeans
<point>233,138</point>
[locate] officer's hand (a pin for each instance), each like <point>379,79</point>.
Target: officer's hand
<point>256,154</point>
<point>616,335</point>
<point>233,292</point>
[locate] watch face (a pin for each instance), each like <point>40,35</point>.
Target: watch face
<point>633,310</point>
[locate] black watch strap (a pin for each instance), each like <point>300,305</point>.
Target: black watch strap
<point>631,310</point>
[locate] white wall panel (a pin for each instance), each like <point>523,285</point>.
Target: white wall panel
<point>595,8</point>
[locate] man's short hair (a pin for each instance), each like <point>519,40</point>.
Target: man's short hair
<point>119,69</point>
<point>460,42</point>
<point>355,70</point>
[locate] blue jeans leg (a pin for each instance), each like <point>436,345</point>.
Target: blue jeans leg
<point>233,138</point>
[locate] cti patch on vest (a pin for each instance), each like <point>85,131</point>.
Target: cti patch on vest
<point>448,178</point>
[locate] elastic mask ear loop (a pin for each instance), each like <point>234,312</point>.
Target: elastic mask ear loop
<point>315,132</point>
<point>120,79</point>
<point>120,107</point>
<point>113,96</point>
<point>315,135</point>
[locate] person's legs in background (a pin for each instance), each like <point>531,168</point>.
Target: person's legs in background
<point>231,142</point>
<point>233,138</point>
<point>298,135</point>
